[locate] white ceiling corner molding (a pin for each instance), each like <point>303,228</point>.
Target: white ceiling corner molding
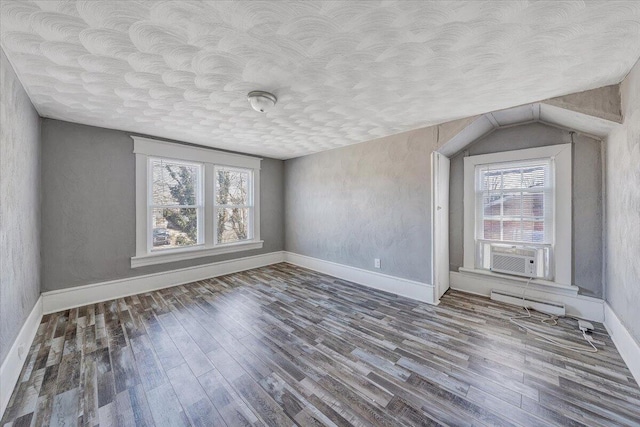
<point>343,72</point>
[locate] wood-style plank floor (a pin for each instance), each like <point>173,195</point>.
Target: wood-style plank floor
<point>282,346</point>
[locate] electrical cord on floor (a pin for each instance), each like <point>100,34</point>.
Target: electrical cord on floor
<point>552,320</point>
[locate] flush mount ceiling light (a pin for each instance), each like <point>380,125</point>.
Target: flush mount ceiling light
<point>261,101</point>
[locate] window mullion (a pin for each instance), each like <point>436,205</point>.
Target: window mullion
<point>209,199</point>
<point>198,206</point>
<point>149,202</point>
<point>521,215</point>
<point>501,205</point>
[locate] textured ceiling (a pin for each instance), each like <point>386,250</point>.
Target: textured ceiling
<point>344,71</point>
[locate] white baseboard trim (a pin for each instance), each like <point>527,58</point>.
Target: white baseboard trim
<point>15,359</point>
<point>577,305</point>
<point>78,296</point>
<point>628,348</point>
<point>408,288</point>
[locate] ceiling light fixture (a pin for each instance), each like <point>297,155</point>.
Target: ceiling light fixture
<point>261,101</point>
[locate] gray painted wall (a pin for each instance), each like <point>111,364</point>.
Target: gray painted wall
<point>88,207</point>
<point>623,209</point>
<point>19,206</point>
<point>364,201</point>
<point>587,196</point>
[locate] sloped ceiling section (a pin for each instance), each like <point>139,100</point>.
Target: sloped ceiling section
<point>601,102</point>
<point>344,71</point>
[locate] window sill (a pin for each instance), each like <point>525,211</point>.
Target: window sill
<point>540,284</point>
<point>191,253</point>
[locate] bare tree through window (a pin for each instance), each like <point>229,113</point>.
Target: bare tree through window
<point>233,205</point>
<point>175,203</point>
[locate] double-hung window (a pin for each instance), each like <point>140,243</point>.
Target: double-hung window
<point>193,202</point>
<point>233,204</point>
<point>514,202</point>
<point>176,207</point>
<point>520,199</point>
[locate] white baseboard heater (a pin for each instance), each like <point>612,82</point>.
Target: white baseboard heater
<point>549,307</point>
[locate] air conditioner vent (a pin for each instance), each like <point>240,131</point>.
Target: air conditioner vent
<point>517,260</point>
<point>514,264</point>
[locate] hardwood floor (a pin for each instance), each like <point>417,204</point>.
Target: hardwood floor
<point>282,345</point>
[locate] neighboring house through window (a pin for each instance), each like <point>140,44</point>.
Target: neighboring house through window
<point>193,202</point>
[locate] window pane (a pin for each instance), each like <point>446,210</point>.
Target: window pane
<point>491,204</point>
<point>174,183</point>
<point>492,230</point>
<point>512,204</point>
<point>532,231</point>
<point>511,231</point>
<point>533,204</point>
<point>491,180</point>
<point>528,231</point>
<point>511,178</point>
<point>233,224</point>
<point>175,227</point>
<point>533,177</point>
<point>232,187</point>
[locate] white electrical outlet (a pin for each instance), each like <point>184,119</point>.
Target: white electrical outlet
<point>376,262</point>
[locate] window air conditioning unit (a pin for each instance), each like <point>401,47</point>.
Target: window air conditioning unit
<point>516,260</point>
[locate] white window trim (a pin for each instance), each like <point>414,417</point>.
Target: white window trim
<point>561,154</point>
<point>145,148</point>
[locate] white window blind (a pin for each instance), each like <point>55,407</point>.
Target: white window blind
<point>514,202</point>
